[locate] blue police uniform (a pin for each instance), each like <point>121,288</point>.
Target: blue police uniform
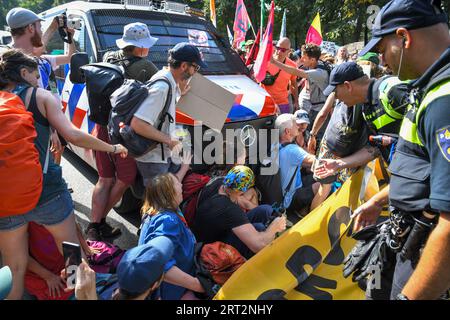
<point>421,164</point>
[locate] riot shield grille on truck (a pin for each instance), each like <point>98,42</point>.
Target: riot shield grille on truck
<point>170,29</point>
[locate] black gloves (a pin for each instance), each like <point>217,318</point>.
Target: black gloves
<point>370,254</point>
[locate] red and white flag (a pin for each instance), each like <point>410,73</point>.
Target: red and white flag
<point>266,49</point>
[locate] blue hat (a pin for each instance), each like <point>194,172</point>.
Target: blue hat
<point>347,71</point>
<point>21,17</point>
<point>5,282</point>
<point>188,53</point>
<point>142,266</point>
<point>301,116</point>
<point>408,14</point>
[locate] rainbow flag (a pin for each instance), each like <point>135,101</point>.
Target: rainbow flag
<point>314,34</point>
<point>266,49</point>
<point>241,23</point>
<point>212,9</point>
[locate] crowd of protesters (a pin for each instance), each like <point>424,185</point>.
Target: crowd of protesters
<point>330,113</point>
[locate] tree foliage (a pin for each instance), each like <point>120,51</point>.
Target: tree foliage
<point>343,21</point>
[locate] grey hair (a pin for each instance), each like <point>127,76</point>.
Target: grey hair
<point>283,122</point>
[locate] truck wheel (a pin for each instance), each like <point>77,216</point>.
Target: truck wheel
<point>128,204</point>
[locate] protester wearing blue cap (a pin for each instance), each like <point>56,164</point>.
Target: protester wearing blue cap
<point>184,61</point>
<point>414,41</point>
<point>141,269</point>
<point>139,273</point>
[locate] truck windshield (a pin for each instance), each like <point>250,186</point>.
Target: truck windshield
<point>170,29</point>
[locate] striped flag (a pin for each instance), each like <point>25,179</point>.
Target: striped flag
<point>230,35</point>
<point>266,49</point>
<point>241,23</point>
<point>212,9</point>
<point>314,34</point>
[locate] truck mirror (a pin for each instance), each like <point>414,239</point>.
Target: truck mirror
<point>76,62</point>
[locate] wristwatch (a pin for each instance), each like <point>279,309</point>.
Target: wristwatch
<point>401,296</point>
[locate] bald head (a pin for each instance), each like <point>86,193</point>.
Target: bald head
<point>284,43</point>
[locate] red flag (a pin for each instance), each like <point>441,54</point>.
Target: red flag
<point>254,50</point>
<point>265,52</point>
<point>314,34</point>
<point>241,23</point>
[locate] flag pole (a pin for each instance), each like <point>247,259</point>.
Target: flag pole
<point>251,25</point>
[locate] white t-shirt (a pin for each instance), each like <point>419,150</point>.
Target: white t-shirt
<point>150,109</point>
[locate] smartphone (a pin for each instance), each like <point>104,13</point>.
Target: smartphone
<point>72,259</point>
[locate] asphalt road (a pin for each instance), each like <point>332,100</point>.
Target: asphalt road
<point>82,178</point>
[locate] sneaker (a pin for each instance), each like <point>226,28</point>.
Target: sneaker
<point>107,231</point>
<point>93,233</point>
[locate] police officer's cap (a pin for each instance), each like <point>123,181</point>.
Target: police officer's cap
<point>408,14</point>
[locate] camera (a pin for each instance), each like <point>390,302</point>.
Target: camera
<point>64,22</point>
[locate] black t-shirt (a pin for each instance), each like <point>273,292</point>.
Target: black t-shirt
<point>216,215</point>
<point>347,131</point>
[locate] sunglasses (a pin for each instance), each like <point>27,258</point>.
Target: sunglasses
<point>281,49</point>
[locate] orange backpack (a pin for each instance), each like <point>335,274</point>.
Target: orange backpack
<point>221,260</point>
<point>20,169</point>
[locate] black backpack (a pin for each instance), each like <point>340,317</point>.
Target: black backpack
<point>102,79</point>
<point>328,67</point>
<point>125,101</point>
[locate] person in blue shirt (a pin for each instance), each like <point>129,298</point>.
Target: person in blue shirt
<point>300,193</point>
<point>162,217</point>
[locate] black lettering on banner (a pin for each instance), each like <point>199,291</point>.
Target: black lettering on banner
<point>308,284</point>
<point>339,217</point>
<point>308,255</point>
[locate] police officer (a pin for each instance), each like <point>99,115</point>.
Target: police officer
<point>383,101</point>
<point>413,38</point>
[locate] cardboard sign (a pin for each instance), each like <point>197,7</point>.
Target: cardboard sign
<point>207,102</point>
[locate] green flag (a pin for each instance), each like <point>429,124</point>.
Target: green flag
<point>263,9</point>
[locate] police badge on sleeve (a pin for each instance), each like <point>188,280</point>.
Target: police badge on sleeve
<point>443,140</point>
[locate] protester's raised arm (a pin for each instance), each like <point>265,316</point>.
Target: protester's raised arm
<point>291,70</point>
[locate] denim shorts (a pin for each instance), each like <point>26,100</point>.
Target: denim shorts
<point>52,212</point>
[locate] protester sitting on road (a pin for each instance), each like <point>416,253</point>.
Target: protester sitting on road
<point>139,274</point>
<point>184,61</point>
<point>220,216</point>
<point>116,174</point>
<point>300,193</point>
<point>18,73</point>
<point>162,217</point>
<point>302,121</point>
<point>45,278</point>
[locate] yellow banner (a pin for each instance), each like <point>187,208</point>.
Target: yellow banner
<point>306,261</point>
